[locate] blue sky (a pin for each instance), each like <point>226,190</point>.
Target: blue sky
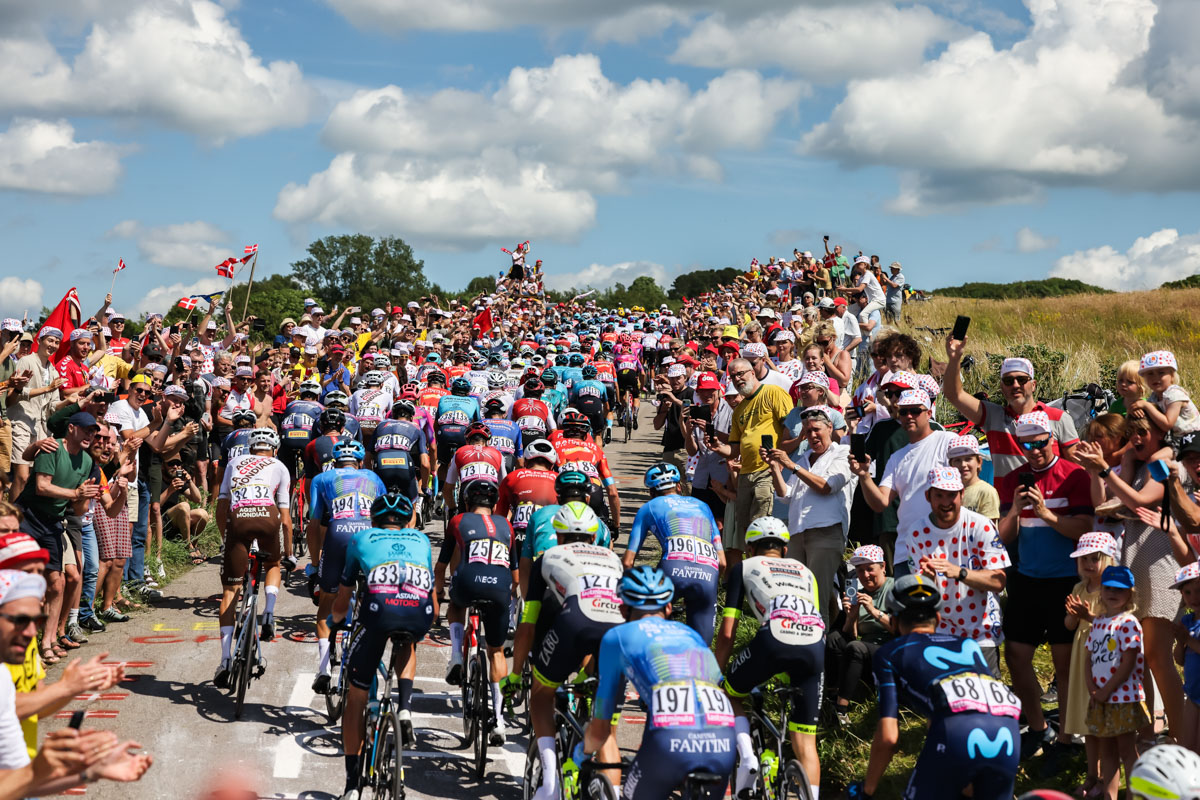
<point>970,140</point>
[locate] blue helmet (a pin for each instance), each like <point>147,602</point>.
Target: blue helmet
<point>576,359</point>
<point>433,358</point>
<point>392,504</point>
<point>590,373</point>
<point>349,449</point>
<point>646,588</point>
<point>549,377</point>
<point>662,476</point>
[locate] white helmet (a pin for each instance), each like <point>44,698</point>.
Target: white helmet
<point>263,437</point>
<point>767,528</point>
<point>1166,771</point>
<point>541,448</point>
<point>576,520</point>
<point>373,378</point>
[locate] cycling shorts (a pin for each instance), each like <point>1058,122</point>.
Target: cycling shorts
<point>333,554</point>
<point>489,589</point>
<point>598,421</point>
<point>570,638</point>
<point>696,587</point>
<point>610,393</point>
<point>240,532</point>
<point>627,380</point>
<point>667,755</point>
<point>446,449</point>
<point>967,748</point>
<point>764,658</point>
<point>370,639</point>
<point>402,478</point>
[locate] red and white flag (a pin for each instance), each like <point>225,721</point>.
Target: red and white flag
<point>120,265</point>
<point>188,303</point>
<point>225,268</point>
<point>250,248</point>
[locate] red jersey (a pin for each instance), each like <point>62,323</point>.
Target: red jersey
<point>474,461</point>
<point>532,417</point>
<point>430,395</point>
<point>456,371</point>
<point>523,492</point>
<point>606,372</point>
<point>72,373</point>
<point>583,455</point>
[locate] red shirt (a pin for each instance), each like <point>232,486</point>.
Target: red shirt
<point>430,395</point>
<point>524,491</point>
<point>583,455</point>
<point>72,372</point>
<point>532,417</point>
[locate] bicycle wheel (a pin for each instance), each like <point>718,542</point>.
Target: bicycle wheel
<point>246,649</point>
<point>468,701</point>
<point>389,759</point>
<point>795,785</point>
<point>366,761</point>
<point>599,787</point>
<point>483,712</point>
<point>533,770</point>
<point>335,699</point>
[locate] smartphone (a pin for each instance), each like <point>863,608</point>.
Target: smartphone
<point>77,719</point>
<point>851,591</point>
<point>858,446</point>
<point>175,328</point>
<point>768,442</point>
<point>960,328</point>
<point>701,412</point>
<point>259,325</point>
<point>1028,480</point>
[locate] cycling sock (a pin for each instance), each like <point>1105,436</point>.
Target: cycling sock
<point>323,657</point>
<point>351,772</point>
<point>272,596</point>
<point>498,705</point>
<point>745,745</point>
<point>226,641</point>
<point>549,787</point>
<point>456,637</point>
<point>816,791</point>
<point>405,687</point>
<point>73,616</point>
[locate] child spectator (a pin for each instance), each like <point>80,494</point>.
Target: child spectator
<point>978,495</point>
<point>1169,407</point>
<point>1096,552</point>
<point>1187,654</point>
<point>1117,708</point>
<point>1130,387</point>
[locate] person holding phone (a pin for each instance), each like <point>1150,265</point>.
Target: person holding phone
<point>710,413</point>
<point>674,395</point>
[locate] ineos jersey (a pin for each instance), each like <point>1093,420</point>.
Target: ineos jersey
<point>584,571</point>
<point>783,595</point>
<point>484,542</point>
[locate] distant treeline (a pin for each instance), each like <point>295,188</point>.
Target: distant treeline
<point>1048,287</point>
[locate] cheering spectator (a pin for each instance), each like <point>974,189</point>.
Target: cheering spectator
<point>894,291</point>
<point>39,384</point>
<point>764,373</point>
<point>674,395</point>
<point>709,413</point>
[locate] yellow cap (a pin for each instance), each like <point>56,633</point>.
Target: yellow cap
<point>141,378</point>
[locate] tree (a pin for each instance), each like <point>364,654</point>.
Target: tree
<point>645,292</point>
<point>355,268</point>
<point>690,284</point>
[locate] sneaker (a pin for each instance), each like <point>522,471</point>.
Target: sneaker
<point>1033,742</point>
<point>75,633</point>
<point>320,684</point>
<point>150,594</point>
<point>92,624</point>
<point>351,794</point>
<point>407,735</point>
<point>268,627</point>
<point>110,614</point>
<point>221,678</point>
<point>161,572</point>
<point>496,737</point>
<point>148,580</point>
<point>454,674</point>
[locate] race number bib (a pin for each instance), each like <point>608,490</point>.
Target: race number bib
<point>678,704</point>
<point>478,469</point>
<point>691,548</point>
<point>385,578</point>
<point>453,417</point>
<point>252,494</point>
<point>350,505</point>
<point>598,587</point>
<point>794,620</point>
<point>417,580</point>
<point>588,468</point>
<point>973,692</point>
<point>522,514</point>
<point>530,422</point>
<point>487,551</point>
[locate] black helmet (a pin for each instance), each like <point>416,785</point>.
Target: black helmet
<point>478,492</point>
<point>332,419</point>
<point>572,483</point>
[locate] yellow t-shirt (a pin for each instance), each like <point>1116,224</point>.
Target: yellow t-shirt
<point>26,677</point>
<point>757,416</point>
<point>115,368</point>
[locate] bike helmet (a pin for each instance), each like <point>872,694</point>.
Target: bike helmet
<point>571,483</point>
<point>533,386</point>
<point>434,358</point>
<point>576,421</point>
<point>493,405</point>
<point>478,492</point>
<point>263,437</point>
<point>436,376</point>
<point>576,520</point>
<point>662,476</point>
<point>590,373</point>
<point>540,448</point>
<point>373,378</point>
<point>460,387</point>
<point>244,418</point>
<point>410,387</point>
<point>606,346</point>
<point>403,409</point>
<point>765,528</point>
<point>331,419</point>
<point>560,360</point>
<point>538,361</point>
<point>393,504</point>
<point>479,363</point>
<point>916,593</point>
<point>336,399</point>
<point>1167,770</point>
<point>645,588</point>
<point>575,359</point>
<point>478,429</point>
<point>348,450</point>
<point>310,387</point>
<point>495,379</point>
<point>382,361</point>
<point>549,377</point>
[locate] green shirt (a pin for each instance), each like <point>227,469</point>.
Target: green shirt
<point>67,472</point>
<point>7,367</point>
<point>57,424</point>
<point>869,629</point>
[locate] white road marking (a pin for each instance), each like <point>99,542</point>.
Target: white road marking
<point>289,754</point>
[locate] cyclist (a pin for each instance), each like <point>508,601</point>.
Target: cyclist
<point>590,397</point>
<point>573,373</point>
<point>237,441</point>
<point>540,535</point>
<point>371,404</point>
<point>299,419</point>
<point>252,505</point>
<point>554,398</point>
<point>479,558</point>
<point>629,375</point>
<point>606,373</point>
<point>689,726</point>
<point>476,459</point>
<point>318,457</point>
<point>691,545</point>
<point>973,737</point>
<point>530,413</point>
<point>570,603</point>
<point>434,391</point>
<point>397,564</point>
<point>1167,770</point>
<point>340,507</point>
<point>341,401</point>
<point>506,436</point>
<point>527,489</point>
<point>782,594</point>
<point>455,413</point>
<point>401,454</point>
<point>577,451</point>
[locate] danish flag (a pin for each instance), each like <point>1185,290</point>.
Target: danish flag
<point>250,248</point>
<point>120,265</point>
<point>225,268</point>
<point>188,302</point>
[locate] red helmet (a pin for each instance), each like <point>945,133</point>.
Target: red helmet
<point>575,419</point>
<point>478,429</point>
<point>534,385</point>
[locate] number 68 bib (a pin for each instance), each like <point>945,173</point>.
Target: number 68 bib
<point>973,692</point>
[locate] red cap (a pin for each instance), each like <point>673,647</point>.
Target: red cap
<point>840,301</point>
<point>397,309</point>
<point>712,348</point>
<point>694,346</point>
<point>734,345</point>
<point>687,361</point>
<point>16,548</point>
<point>707,381</point>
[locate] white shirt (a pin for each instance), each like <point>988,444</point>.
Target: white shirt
<point>13,754</point>
<point>871,286</point>
<point>127,418</point>
<point>777,378</point>
<point>312,336</point>
<point>808,508</point>
<point>894,293</point>
<point>850,331</point>
<point>907,473</point>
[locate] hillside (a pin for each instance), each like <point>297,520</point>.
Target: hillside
<point>1190,282</point>
<point>1048,287</point>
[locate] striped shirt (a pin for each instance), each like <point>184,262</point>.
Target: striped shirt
<point>1000,425</point>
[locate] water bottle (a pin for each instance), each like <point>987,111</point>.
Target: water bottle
<point>768,766</point>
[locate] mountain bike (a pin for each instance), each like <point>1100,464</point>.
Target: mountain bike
<point>248,662</point>
<point>771,744</point>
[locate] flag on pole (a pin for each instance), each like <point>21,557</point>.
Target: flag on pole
<point>484,321</point>
<point>250,249</point>
<point>188,303</point>
<point>245,259</point>
<point>66,316</point>
<point>120,265</point>
<point>225,268</point>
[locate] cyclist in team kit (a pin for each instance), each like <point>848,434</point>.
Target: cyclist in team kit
<point>577,451</point>
<point>590,397</point>
<point>629,375</point>
<point>401,455</point>
<point>505,435</point>
<point>606,373</point>
<point>527,489</point>
<point>554,397</point>
<point>299,419</point>
<point>782,594</point>
<point>690,724</point>
<point>252,505</point>
<point>237,442</point>
<point>371,404</point>
<point>340,507</point>
<point>531,414</point>
<point>973,737</point>
<point>396,563</point>
<point>540,535</point>
<point>331,428</point>
<point>455,413</point>
<point>570,603</point>
<point>691,545</point>
<point>475,459</point>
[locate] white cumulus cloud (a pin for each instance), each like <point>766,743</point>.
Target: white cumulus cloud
<point>1030,241</point>
<point>188,245</point>
<point>1151,261</point>
<point>161,299</point>
<point>18,295</point>
<point>604,276</point>
<point>43,156</point>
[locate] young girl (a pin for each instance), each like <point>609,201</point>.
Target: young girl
<point>1187,654</point>
<point>1169,407</point>
<point>1117,708</point>
<point>1095,552</point>
<point>1130,387</point>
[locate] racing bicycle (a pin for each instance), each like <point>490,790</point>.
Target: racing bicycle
<point>381,765</point>
<point>248,662</point>
<point>479,717</point>
<point>335,698</point>
<point>778,778</point>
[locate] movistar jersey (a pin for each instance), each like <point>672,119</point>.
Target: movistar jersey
<point>920,669</point>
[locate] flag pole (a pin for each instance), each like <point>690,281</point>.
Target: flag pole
<point>114,281</point>
<point>249,285</point>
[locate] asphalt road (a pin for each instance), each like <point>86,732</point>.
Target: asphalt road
<point>283,746</point>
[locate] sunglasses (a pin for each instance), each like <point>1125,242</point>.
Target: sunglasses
<point>141,390</point>
<point>892,394</point>
<point>1037,445</point>
<point>1014,380</point>
<point>910,411</point>
<point>823,342</point>
<point>23,621</point>
<point>814,415</point>
<point>6,531</point>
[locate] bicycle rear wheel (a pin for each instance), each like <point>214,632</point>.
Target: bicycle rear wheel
<point>247,647</point>
<point>470,723</point>
<point>533,770</point>
<point>335,699</point>
<point>483,711</point>
<point>389,759</point>
<point>795,785</point>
